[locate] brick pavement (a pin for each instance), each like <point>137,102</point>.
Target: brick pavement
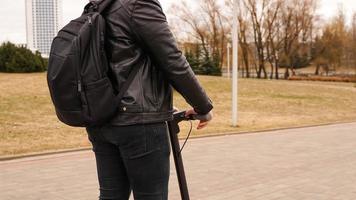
<point>307,163</point>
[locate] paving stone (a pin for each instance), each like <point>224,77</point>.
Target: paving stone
<point>316,163</point>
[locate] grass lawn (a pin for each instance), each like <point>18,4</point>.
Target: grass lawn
<point>28,123</point>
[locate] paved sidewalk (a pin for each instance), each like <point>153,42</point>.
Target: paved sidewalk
<point>307,163</point>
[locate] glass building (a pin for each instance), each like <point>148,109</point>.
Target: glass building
<point>43,21</point>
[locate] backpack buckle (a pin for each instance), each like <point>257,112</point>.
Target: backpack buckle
<point>92,6</point>
<point>95,6</point>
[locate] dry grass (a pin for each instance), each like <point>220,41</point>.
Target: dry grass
<point>312,68</point>
<point>28,123</point>
<point>323,78</point>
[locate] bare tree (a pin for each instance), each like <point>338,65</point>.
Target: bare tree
<point>207,26</point>
<point>257,18</point>
<point>272,33</point>
<point>273,41</point>
<point>333,45</point>
<point>244,45</point>
<point>243,36</point>
<point>297,18</point>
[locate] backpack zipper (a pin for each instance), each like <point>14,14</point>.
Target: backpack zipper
<point>89,20</point>
<point>79,86</point>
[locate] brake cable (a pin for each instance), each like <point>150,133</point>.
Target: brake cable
<point>186,140</point>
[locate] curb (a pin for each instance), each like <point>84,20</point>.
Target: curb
<point>268,130</point>
<point>47,153</point>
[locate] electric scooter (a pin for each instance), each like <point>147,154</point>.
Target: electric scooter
<point>174,130</point>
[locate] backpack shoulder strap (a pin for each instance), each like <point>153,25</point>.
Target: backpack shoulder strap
<point>100,6</point>
<point>97,5</point>
<point>104,4</point>
<point>127,84</point>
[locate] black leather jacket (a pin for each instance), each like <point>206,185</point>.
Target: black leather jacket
<point>138,36</point>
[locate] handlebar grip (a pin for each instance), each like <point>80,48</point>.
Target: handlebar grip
<point>206,117</point>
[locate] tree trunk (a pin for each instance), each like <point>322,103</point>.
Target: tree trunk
<point>286,73</point>
<point>247,67</point>
<point>264,71</point>
<point>277,66</point>
<point>272,70</point>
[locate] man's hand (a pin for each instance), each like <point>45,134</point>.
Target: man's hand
<point>202,123</point>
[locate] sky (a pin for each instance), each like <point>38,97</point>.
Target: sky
<point>13,19</point>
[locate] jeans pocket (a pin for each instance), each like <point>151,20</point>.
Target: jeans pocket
<point>153,138</point>
<point>91,131</point>
<point>95,133</point>
<point>165,139</point>
<point>161,138</point>
<point>144,154</point>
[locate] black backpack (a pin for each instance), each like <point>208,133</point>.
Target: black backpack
<point>78,71</point>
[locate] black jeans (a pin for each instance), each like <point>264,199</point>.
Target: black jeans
<point>132,158</point>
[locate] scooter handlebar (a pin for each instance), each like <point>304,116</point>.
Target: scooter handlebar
<point>180,116</point>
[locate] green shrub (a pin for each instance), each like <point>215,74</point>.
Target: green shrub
<point>210,67</point>
<point>19,59</point>
<point>296,61</point>
<point>203,65</point>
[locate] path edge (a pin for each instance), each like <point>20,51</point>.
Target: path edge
<point>72,150</point>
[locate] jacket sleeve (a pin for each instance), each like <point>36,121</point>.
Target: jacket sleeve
<point>152,28</point>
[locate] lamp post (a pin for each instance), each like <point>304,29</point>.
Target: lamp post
<point>235,66</point>
<point>228,60</point>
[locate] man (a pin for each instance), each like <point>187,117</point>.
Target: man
<point>132,151</point>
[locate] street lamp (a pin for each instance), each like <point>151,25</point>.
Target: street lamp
<point>235,66</point>
<point>228,60</point>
